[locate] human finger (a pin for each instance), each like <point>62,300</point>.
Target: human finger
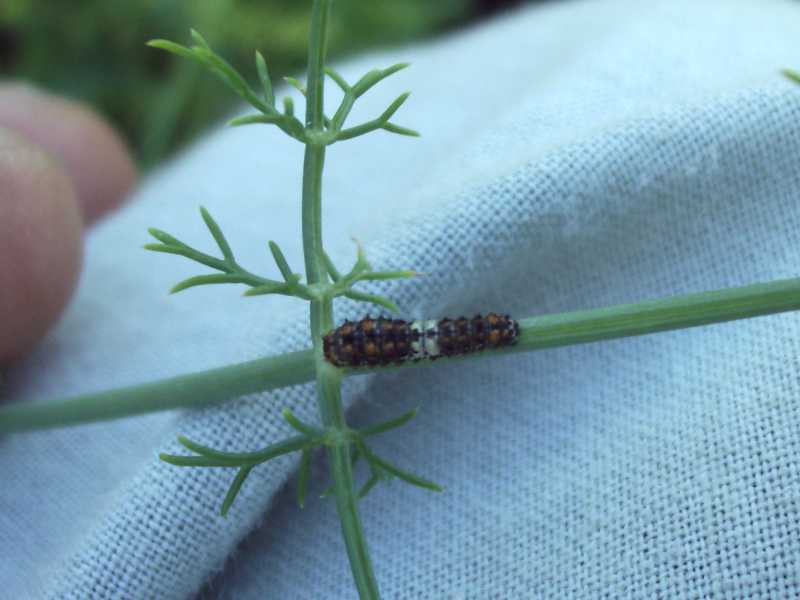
<point>40,243</point>
<point>93,155</point>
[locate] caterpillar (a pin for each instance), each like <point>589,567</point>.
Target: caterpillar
<point>382,341</point>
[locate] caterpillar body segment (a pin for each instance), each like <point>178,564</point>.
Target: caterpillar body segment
<point>382,341</point>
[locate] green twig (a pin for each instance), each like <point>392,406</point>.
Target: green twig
<point>202,53</point>
<point>329,378</point>
<point>193,390</point>
<point>537,333</point>
<point>232,272</point>
<point>352,93</point>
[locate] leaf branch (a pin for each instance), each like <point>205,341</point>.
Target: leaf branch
<point>381,468</point>
<point>231,271</point>
<point>202,53</point>
<point>381,122</point>
<point>245,461</point>
<point>352,93</point>
<point>362,271</point>
<point>291,280</point>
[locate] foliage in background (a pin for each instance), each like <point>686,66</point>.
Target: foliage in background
<point>91,50</point>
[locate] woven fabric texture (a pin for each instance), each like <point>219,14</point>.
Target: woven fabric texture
<point>575,155</point>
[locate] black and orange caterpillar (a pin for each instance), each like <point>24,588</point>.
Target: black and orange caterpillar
<point>381,341</point>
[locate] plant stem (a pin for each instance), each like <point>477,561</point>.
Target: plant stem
<point>328,378</point>
<point>185,391</point>
<point>537,333</point>
<point>651,316</point>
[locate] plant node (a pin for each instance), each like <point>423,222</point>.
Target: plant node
<point>362,271</point>
<point>380,468</point>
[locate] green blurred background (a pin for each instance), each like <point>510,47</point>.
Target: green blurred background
<point>93,50</point>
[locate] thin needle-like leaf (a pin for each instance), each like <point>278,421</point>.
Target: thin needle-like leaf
<point>224,70</point>
<point>216,232</point>
<point>165,238</point>
<point>297,424</point>
<point>390,424</point>
<point>392,128</point>
<point>286,446</point>
<point>263,76</point>
<point>404,475</point>
<point>193,461</point>
<point>367,487</point>
<point>212,279</point>
<point>394,106</point>
<point>229,457</point>
<point>199,39</point>
<point>182,249</point>
<point>340,81</point>
<point>165,249</point>
<point>234,490</point>
<point>281,261</point>
<point>253,119</point>
<point>375,76</point>
<point>385,275</point>
<point>295,83</point>
<point>172,47</point>
<point>372,299</point>
<point>379,123</point>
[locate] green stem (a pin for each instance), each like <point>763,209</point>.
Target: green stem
<point>537,333</point>
<point>651,316</point>
<point>328,378</point>
<point>317,46</point>
<point>193,390</point>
